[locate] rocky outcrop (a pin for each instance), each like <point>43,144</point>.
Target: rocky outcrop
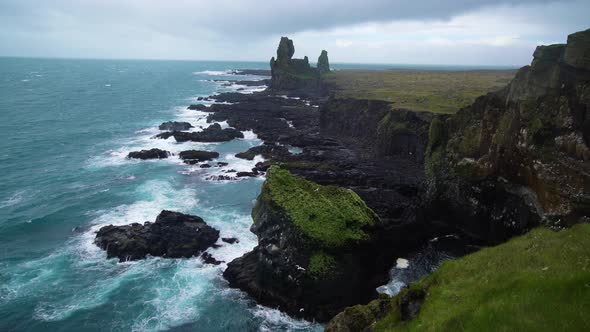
<point>520,156</point>
<point>315,254</point>
<point>149,154</point>
<point>323,63</point>
<point>213,133</point>
<point>175,126</point>
<point>381,130</point>
<point>197,156</point>
<point>173,235</point>
<point>288,73</point>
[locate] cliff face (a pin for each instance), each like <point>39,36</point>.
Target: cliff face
<point>289,73</point>
<point>520,156</point>
<point>383,132</point>
<point>314,255</point>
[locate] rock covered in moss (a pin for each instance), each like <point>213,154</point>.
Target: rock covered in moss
<point>315,253</point>
<point>519,156</point>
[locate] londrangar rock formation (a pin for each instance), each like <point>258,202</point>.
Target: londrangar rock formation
<point>289,73</point>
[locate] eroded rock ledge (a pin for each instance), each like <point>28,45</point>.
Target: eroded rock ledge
<point>315,252</point>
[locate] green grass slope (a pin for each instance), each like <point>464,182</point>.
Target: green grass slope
<point>536,282</point>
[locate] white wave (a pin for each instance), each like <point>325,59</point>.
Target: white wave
<point>16,198</point>
<point>274,319</point>
<point>214,72</point>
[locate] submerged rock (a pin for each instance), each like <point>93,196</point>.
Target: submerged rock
<point>175,126</point>
<point>313,256</point>
<point>149,154</point>
<point>213,133</point>
<point>172,235</point>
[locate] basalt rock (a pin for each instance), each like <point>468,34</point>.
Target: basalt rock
<point>175,126</point>
<point>197,107</point>
<point>172,235</point>
<point>149,154</point>
<point>315,254</point>
<point>295,74</point>
<point>213,133</point>
<point>519,156</point>
<point>323,63</point>
<point>196,156</point>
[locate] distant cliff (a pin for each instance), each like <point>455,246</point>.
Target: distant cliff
<point>289,73</point>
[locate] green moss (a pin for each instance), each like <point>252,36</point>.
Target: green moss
<point>435,151</point>
<point>331,217</point>
<point>536,282</point>
<point>321,265</point>
<point>468,145</point>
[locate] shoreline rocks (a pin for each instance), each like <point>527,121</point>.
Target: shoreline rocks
<point>175,126</point>
<point>196,156</point>
<point>211,134</point>
<point>172,235</point>
<point>149,154</point>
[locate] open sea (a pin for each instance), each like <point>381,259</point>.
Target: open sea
<point>66,127</point>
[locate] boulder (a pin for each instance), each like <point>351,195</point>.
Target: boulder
<point>149,154</point>
<point>213,133</point>
<point>198,107</point>
<point>196,156</point>
<point>175,126</point>
<point>172,235</point>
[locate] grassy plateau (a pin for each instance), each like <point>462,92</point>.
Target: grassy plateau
<point>437,91</point>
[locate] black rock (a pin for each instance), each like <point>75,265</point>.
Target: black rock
<point>209,259</point>
<point>195,156</point>
<point>205,166</point>
<point>149,154</point>
<point>230,240</point>
<point>198,107</point>
<point>246,174</point>
<point>222,164</point>
<point>213,133</point>
<point>172,235</point>
<point>175,126</point>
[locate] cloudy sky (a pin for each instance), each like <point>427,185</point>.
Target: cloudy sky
<point>471,32</point>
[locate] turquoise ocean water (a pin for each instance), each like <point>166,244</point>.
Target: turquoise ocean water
<point>66,127</point>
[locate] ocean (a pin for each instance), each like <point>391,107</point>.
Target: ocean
<point>67,126</point>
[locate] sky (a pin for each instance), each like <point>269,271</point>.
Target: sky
<point>464,32</point>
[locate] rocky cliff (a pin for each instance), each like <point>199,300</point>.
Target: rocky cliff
<point>518,157</point>
<point>289,73</point>
<point>316,251</point>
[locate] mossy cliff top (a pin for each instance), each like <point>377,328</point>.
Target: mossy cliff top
<point>331,217</point>
<point>536,282</point>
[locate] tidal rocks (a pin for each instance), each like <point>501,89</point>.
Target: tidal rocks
<point>314,255</point>
<point>196,156</point>
<point>517,157</point>
<point>230,240</point>
<point>276,152</point>
<point>213,133</point>
<point>175,126</point>
<point>172,235</point>
<point>198,107</point>
<point>149,154</point>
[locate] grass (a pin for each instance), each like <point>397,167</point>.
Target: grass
<point>420,90</point>
<point>321,265</point>
<point>536,282</point>
<point>330,216</point>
